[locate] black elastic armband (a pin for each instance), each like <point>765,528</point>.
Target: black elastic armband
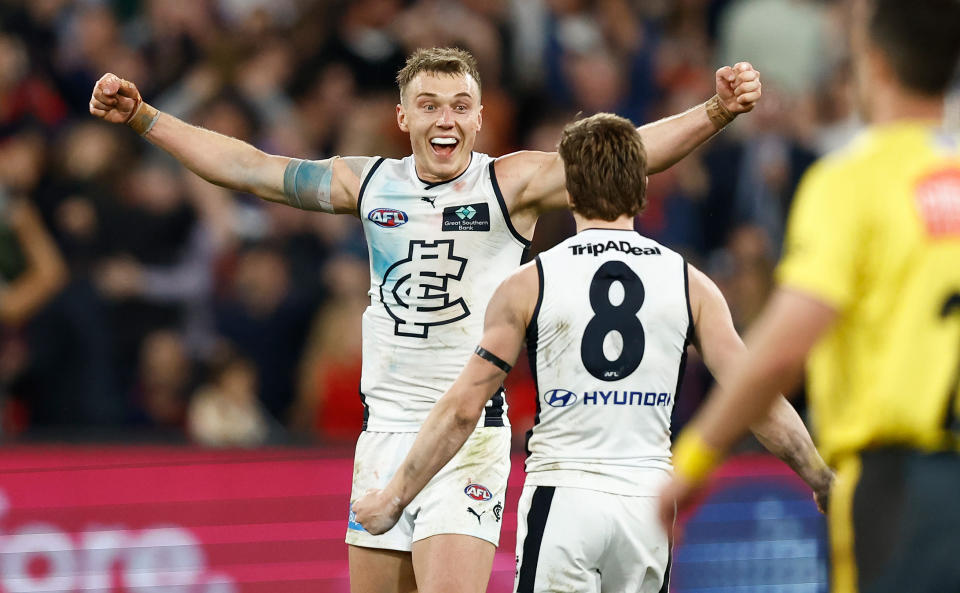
<point>493,359</point>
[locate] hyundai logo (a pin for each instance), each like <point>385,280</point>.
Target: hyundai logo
<point>560,398</point>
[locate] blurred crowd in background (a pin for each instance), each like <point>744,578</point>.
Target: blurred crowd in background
<point>139,302</point>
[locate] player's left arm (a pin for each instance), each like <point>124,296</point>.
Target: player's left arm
<point>780,430</point>
<point>534,181</point>
<point>455,415</point>
<point>790,325</point>
<point>670,139</point>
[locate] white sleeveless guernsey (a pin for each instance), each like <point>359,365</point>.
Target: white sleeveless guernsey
<point>607,345</point>
<point>437,253</point>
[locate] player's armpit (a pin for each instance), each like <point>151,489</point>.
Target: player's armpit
<point>531,182</point>
<point>509,313</point>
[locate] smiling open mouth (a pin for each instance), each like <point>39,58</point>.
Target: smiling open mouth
<point>444,146</point>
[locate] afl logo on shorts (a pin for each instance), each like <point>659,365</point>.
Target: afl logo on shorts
<point>477,492</point>
<point>387,217</point>
<point>560,398</point>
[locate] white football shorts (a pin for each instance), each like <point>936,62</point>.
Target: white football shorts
<point>574,539</point>
<point>465,497</point>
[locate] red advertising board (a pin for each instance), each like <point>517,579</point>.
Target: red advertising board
<point>187,520</point>
<point>183,520</point>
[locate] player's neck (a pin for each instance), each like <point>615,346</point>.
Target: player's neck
<point>894,104</point>
<point>427,176</point>
<point>624,223</point>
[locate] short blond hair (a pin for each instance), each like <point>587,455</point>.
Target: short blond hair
<point>444,60</point>
<point>605,166</point>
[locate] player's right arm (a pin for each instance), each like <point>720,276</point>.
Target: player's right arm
<point>534,182</point>
<point>455,415</point>
<point>780,430</point>
<point>331,185</point>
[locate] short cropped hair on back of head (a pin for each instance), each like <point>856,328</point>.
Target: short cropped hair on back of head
<point>605,166</point>
<point>920,40</point>
<point>442,60</point>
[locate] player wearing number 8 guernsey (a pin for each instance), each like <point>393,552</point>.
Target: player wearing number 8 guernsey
<point>607,316</point>
<point>444,226</point>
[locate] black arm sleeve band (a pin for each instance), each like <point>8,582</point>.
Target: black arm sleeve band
<point>493,359</point>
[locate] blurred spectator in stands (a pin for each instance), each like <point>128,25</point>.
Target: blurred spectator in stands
<point>292,232</point>
<point>314,78</point>
<point>69,376</point>
<point>599,57</point>
<point>163,383</point>
<point>788,41</point>
<point>261,80</point>
<point>754,172</point>
<point>156,272</point>
<point>361,39</point>
<point>837,121</point>
<point>325,106</point>
<point>328,401</point>
<point>675,197</point>
<point>32,272</point>
<point>684,58</point>
<point>744,272</point>
<point>80,186</point>
<point>225,411</point>
<point>90,42</point>
<point>25,94</point>
<point>173,37</point>
<point>771,162</point>
<point>31,266</point>
<point>267,321</point>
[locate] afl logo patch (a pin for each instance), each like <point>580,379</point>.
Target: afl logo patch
<point>387,217</point>
<point>477,492</point>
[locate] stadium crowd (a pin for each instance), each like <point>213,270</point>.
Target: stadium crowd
<point>160,306</point>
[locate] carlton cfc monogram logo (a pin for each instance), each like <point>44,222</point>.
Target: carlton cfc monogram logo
<point>418,291</point>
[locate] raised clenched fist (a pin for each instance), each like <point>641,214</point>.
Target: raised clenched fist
<point>738,87</point>
<point>114,99</point>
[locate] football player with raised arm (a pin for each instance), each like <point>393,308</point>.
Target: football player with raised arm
<point>607,316</point>
<point>444,226</point>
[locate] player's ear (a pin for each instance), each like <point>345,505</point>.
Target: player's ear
<point>480,118</point>
<point>402,118</point>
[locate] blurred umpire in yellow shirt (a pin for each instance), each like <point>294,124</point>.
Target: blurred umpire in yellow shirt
<point>869,300</point>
